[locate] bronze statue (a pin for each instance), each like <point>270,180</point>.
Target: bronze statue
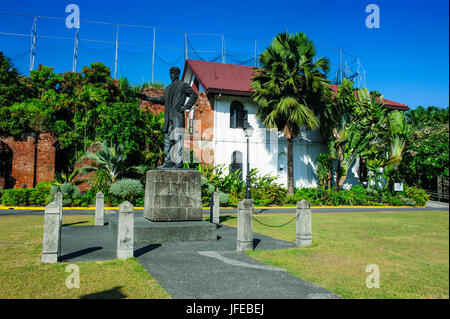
<point>175,106</point>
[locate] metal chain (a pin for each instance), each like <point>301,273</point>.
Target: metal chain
<point>274,225</point>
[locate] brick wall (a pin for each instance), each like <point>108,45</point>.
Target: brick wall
<point>33,158</point>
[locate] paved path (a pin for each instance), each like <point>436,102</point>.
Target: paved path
<point>198,270</point>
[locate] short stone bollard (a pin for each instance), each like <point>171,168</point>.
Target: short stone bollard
<point>245,226</point>
<point>59,200</point>
<point>51,242</point>
<point>99,209</point>
<point>303,226</point>
<point>214,213</point>
<point>125,231</point>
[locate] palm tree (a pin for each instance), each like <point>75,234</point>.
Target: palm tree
<point>110,163</point>
<point>352,127</point>
<point>398,131</point>
<point>290,88</point>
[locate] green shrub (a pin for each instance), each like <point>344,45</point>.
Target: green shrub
<point>126,189</point>
<point>311,194</point>
<point>44,187</point>
<point>395,201</point>
<point>69,191</point>
<point>15,197</point>
<point>273,195</point>
<point>417,194</point>
<point>407,201</point>
<point>140,199</point>
<point>223,198</point>
<point>37,197</point>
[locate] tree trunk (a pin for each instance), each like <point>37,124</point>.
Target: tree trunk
<point>330,173</point>
<point>339,169</point>
<point>290,167</point>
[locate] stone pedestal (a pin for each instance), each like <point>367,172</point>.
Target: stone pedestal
<point>147,232</point>
<point>173,195</point>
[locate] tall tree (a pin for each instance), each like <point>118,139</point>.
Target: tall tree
<point>290,88</point>
<point>352,124</point>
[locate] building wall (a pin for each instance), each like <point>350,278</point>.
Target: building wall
<point>268,148</point>
<point>33,159</point>
<point>213,141</point>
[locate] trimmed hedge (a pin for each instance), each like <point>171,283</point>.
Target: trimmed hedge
<point>24,197</point>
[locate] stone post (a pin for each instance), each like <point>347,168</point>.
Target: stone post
<point>303,226</point>
<point>52,234</point>
<point>125,231</point>
<point>215,208</point>
<point>59,200</point>
<point>245,226</point>
<point>99,209</point>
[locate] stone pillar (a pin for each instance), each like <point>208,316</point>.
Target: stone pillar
<point>58,199</point>
<point>52,234</point>
<point>215,208</point>
<point>245,226</point>
<point>303,226</point>
<point>99,209</point>
<point>125,231</point>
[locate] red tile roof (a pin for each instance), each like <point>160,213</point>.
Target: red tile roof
<point>235,79</point>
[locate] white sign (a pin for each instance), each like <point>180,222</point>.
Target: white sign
<point>398,187</point>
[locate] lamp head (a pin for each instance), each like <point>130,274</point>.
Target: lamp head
<point>248,130</point>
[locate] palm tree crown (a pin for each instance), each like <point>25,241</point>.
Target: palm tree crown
<point>290,88</point>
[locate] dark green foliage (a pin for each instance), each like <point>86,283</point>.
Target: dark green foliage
<point>323,169</point>
<point>78,109</point>
<point>15,197</point>
<point>24,197</point>
<point>69,191</point>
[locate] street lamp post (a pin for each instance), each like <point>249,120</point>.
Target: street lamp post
<point>248,131</point>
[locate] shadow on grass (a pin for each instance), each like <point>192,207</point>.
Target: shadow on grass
<point>79,253</point>
<point>226,217</point>
<point>113,293</point>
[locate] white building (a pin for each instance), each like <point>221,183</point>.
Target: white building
<point>217,121</point>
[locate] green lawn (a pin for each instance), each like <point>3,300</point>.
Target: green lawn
<point>411,250</point>
<point>22,275</point>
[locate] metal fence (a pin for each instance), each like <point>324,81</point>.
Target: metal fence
<point>142,53</point>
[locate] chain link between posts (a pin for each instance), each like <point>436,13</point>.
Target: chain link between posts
<point>290,221</point>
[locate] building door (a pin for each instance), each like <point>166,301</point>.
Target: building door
<point>6,157</point>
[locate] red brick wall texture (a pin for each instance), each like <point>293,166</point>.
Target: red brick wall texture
<point>33,158</point>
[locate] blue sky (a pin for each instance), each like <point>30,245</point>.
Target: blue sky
<point>406,59</point>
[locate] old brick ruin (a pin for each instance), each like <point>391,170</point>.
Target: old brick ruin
<point>29,160</point>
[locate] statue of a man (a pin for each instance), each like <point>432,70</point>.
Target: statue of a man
<point>175,105</point>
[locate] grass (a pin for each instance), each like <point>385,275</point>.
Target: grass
<point>23,275</point>
<point>411,250</point>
